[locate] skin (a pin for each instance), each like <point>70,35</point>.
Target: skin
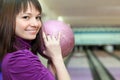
<point>28,23</point>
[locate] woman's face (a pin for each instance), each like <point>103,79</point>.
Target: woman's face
<point>28,23</point>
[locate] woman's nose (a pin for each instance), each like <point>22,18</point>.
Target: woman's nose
<point>34,22</point>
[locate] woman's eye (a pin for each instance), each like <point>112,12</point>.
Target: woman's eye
<point>38,18</point>
<point>26,17</point>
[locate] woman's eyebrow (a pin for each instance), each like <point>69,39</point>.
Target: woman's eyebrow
<point>27,13</point>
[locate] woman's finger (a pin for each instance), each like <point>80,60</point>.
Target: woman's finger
<point>59,35</point>
<point>49,37</point>
<point>54,37</point>
<point>44,36</point>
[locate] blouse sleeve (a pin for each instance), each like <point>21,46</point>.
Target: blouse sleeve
<point>24,65</point>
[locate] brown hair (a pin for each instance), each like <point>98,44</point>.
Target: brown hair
<point>8,11</point>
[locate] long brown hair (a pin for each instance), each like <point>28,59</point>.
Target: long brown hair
<point>8,11</point>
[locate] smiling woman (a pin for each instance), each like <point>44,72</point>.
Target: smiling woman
<point>21,38</point>
<point>28,23</point>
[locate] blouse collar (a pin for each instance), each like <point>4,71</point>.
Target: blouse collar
<point>22,43</point>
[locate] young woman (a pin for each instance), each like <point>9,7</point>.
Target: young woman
<point>21,38</point>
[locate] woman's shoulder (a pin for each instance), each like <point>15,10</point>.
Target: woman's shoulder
<point>22,63</point>
<point>19,57</point>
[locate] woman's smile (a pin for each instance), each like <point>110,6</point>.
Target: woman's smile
<point>32,31</point>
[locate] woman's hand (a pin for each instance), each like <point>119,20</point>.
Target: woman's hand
<point>53,49</point>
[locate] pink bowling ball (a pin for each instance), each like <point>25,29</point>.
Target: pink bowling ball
<point>67,36</point>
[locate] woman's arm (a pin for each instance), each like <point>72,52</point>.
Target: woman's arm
<point>61,71</point>
<point>51,67</point>
<point>53,50</point>
<point>58,69</point>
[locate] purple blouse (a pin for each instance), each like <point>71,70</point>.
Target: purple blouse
<point>24,65</point>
